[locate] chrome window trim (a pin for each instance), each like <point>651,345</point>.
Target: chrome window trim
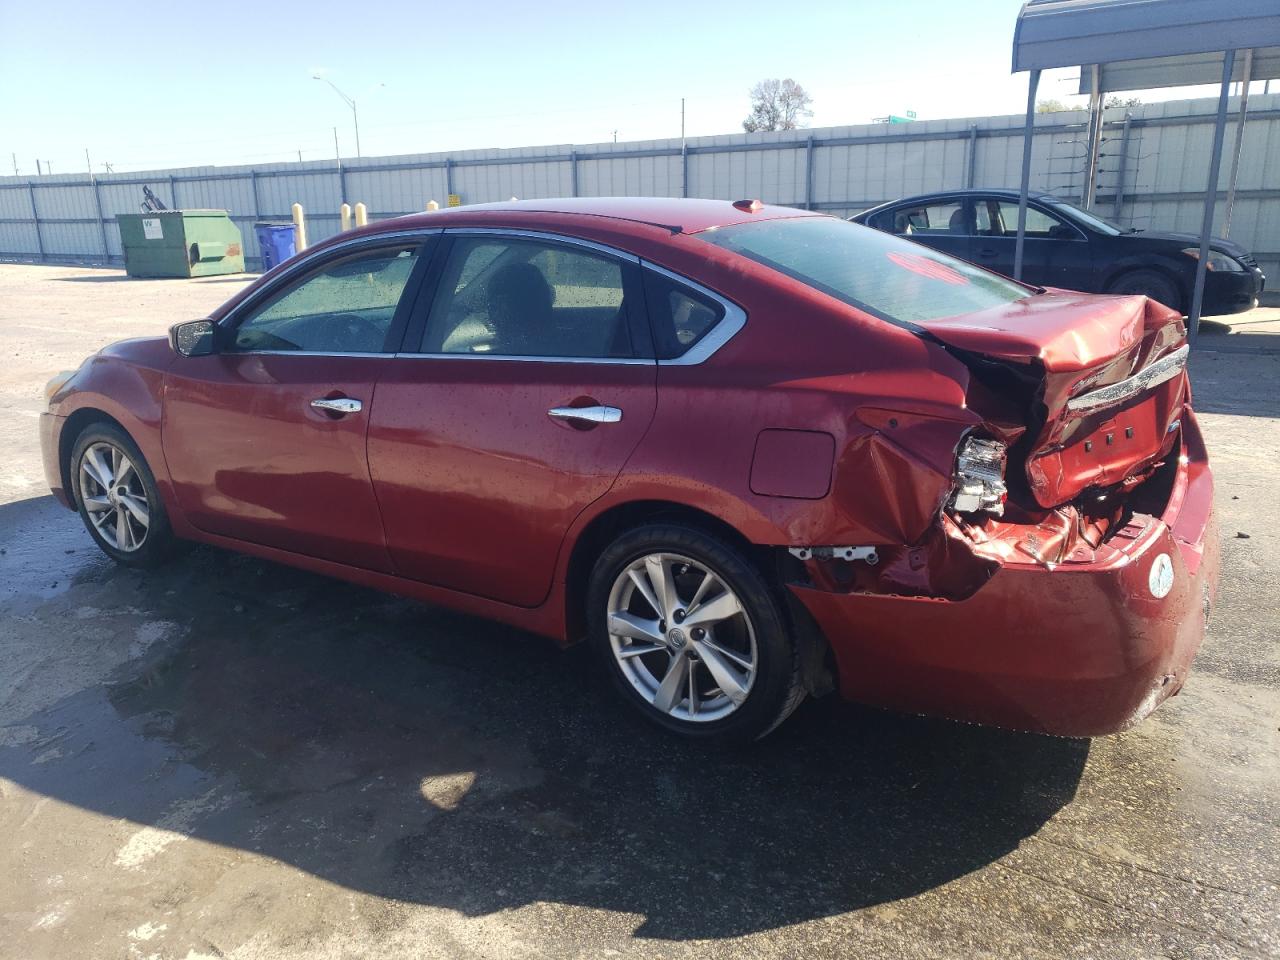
<point>521,234</point>
<point>619,361</point>
<point>300,353</point>
<point>734,319</point>
<point>1164,369</point>
<point>233,318</point>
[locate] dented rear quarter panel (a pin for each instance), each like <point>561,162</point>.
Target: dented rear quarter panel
<point>892,402</point>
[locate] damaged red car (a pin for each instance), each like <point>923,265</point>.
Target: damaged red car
<point>747,453</point>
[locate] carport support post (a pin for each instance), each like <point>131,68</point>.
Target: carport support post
<point>573,173</point>
<point>1095,138</point>
<point>1211,192</point>
<point>1028,133</point>
<point>1245,76</point>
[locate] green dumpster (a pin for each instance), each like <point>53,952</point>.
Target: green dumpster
<point>180,243</point>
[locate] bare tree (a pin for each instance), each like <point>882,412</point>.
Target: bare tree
<point>778,105</point>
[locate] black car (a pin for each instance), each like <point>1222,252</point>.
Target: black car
<point>1073,248</point>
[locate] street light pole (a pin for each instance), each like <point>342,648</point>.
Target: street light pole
<point>355,117</point>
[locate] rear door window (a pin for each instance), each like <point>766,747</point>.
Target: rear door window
<point>930,219</point>
<point>507,297</point>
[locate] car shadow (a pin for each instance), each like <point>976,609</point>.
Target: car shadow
<point>415,754</point>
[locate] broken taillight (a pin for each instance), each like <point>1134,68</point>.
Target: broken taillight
<point>980,477</point>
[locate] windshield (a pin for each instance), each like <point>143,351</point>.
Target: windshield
<point>886,276</point>
<point>1084,216</point>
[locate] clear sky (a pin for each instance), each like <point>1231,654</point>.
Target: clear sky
<point>145,85</point>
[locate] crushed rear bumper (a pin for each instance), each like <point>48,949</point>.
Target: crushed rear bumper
<point>1073,649</point>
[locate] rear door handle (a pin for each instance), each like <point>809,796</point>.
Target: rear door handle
<point>586,414</point>
<point>988,253</point>
<point>340,405</point>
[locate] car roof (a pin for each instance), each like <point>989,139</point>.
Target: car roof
<point>676,214</point>
<point>1005,193</point>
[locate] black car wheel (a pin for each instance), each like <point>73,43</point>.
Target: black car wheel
<point>1148,283</point>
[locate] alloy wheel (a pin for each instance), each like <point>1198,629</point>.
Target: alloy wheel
<point>682,638</point>
<point>114,497</point>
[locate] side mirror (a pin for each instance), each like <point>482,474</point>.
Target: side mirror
<point>1060,231</point>
<point>195,338</point>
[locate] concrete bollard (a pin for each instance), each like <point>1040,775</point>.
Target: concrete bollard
<point>362,215</point>
<point>344,214</point>
<point>300,227</point>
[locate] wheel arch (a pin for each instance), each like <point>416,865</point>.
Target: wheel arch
<point>610,523</point>
<point>1166,270</point>
<point>76,423</point>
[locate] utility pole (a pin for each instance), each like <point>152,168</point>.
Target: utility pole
<point>88,163</point>
<point>299,154</point>
<point>337,154</point>
<point>15,164</point>
<point>37,168</point>
<point>355,117</point>
<point>615,136</point>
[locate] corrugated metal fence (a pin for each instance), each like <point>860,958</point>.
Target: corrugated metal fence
<point>1153,172</point>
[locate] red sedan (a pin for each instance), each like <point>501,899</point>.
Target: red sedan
<point>746,452</point>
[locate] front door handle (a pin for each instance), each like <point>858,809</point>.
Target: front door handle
<point>591,415</point>
<point>339,405</point>
<point>988,253</point>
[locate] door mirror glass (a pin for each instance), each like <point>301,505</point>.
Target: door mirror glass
<point>195,338</point>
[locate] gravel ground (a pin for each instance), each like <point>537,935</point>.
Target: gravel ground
<point>232,759</point>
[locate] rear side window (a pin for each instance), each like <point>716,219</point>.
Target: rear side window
<point>887,276</point>
<point>680,316</point>
<point>930,219</point>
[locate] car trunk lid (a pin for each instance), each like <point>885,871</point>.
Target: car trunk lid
<point>1105,377</point>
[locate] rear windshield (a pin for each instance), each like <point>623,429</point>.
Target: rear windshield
<point>887,276</point>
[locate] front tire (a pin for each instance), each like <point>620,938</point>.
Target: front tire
<point>1149,283</point>
<point>116,496</point>
<point>692,635</point>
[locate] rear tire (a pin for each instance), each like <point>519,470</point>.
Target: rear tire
<point>115,494</point>
<point>692,635</point>
<point>1149,283</point>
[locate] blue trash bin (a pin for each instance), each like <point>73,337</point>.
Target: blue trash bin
<point>277,241</point>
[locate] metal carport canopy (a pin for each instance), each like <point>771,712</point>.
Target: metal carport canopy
<point>1181,42</point>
